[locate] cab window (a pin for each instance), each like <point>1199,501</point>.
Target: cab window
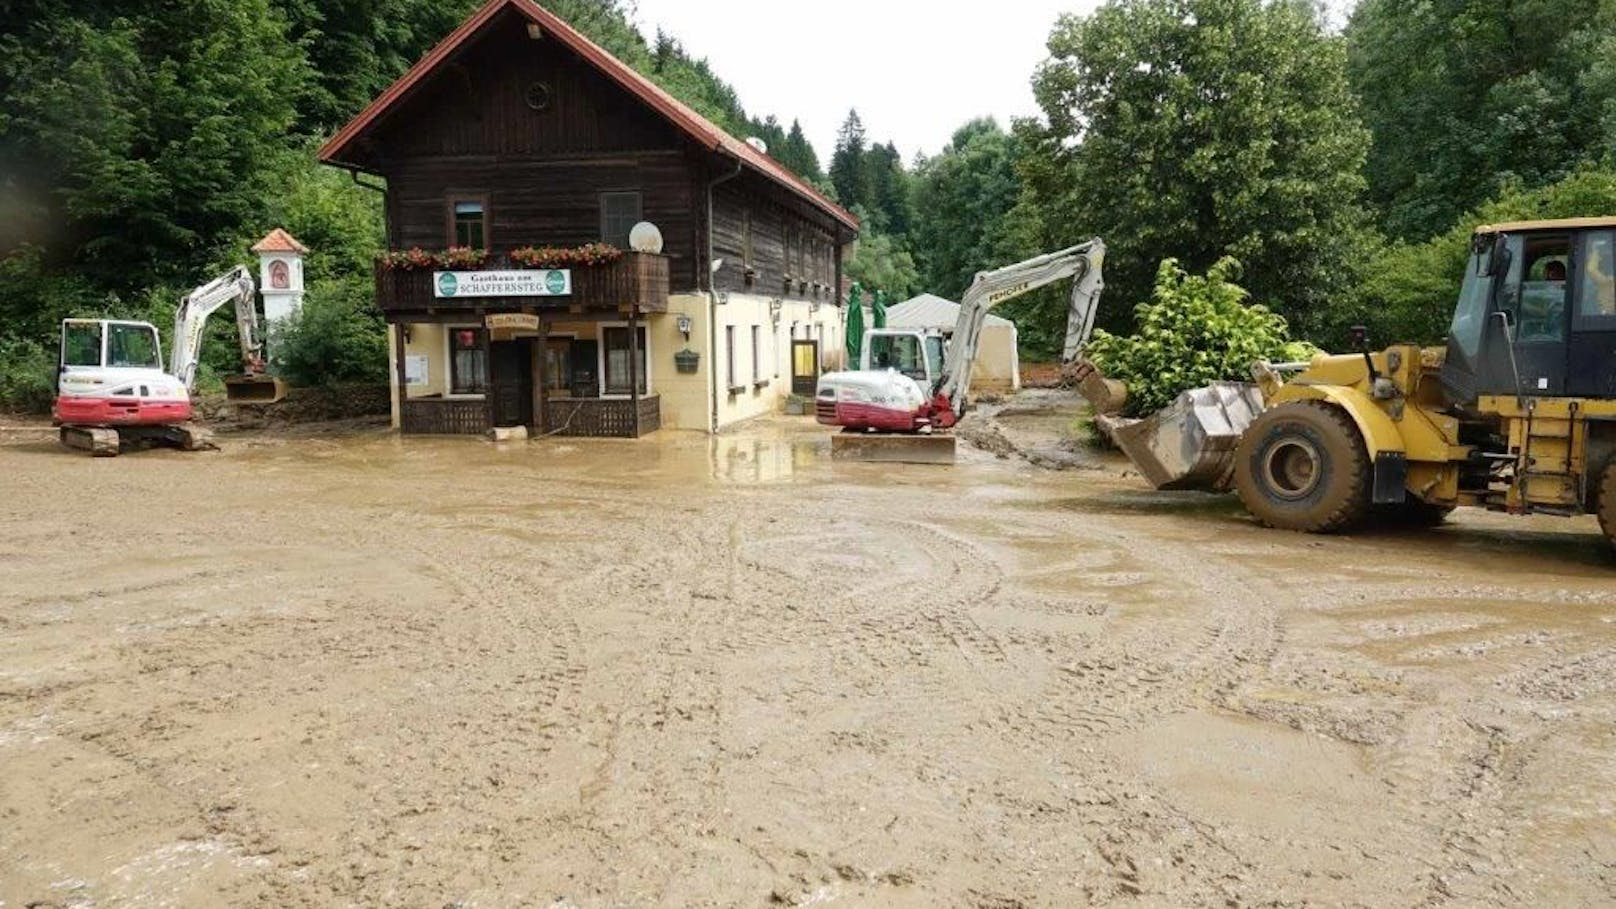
<point>81,344</point>
<point>900,352</point>
<point>132,346</point>
<point>1470,317</point>
<point>1596,278</point>
<point>1534,291</point>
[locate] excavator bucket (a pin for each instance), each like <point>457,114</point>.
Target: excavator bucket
<point>253,389</point>
<point>1191,443</point>
<point>893,448</point>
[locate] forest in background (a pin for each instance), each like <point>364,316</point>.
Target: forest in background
<point>144,145</point>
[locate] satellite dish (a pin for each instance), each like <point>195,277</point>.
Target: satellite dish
<point>645,238</point>
<point>759,144</point>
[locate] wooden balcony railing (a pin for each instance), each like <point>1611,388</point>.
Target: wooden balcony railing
<point>639,279</point>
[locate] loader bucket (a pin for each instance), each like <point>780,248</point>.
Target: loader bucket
<point>1191,443</point>
<point>253,389</point>
<point>893,448</point>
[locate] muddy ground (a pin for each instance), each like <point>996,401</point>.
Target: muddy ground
<point>360,671</point>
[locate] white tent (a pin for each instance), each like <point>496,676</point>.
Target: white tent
<point>998,366</point>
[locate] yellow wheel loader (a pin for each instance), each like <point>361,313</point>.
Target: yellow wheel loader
<point>1517,413</point>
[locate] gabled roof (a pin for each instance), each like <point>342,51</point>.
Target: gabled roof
<point>698,128</point>
<point>278,241</point>
<point>931,311</point>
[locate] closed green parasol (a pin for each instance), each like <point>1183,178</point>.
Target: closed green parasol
<point>855,325</point>
<point>878,310</point>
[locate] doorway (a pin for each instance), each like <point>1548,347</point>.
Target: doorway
<point>804,367</point>
<point>511,381</point>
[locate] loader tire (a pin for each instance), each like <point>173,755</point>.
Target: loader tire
<point>1607,503</point>
<point>1303,466</point>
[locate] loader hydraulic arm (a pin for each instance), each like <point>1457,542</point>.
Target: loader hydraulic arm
<point>237,286</point>
<point>1082,263</point>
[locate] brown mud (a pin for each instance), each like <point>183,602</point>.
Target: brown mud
<point>354,670</point>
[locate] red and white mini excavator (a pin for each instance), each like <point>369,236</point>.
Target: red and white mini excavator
<point>908,386</point>
<point>112,389</point>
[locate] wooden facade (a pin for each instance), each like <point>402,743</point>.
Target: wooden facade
<point>519,122</point>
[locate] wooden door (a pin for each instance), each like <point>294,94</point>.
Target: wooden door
<point>804,367</point>
<point>511,381</point>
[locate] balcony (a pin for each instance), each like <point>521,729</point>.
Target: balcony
<point>639,279</point>
<point>589,417</point>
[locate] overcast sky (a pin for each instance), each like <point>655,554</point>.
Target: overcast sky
<point>915,69</point>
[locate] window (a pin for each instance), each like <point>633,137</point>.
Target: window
<point>901,352</point>
<point>468,362</point>
<point>729,355</point>
<point>81,344</point>
<point>1534,291</point>
<point>132,345</point>
<point>617,360</point>
<point>757,354</point>
<point>1596,291</point>
<point>558,364</point>
<point>619,212</point>
<point>468,223</point>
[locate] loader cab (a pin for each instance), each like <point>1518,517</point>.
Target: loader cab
<point>1536,313</point>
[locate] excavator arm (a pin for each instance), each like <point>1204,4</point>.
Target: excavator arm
<point>192,317</point>
<point>1082,263</point>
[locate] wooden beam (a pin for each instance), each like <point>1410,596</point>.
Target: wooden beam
<point>542,418</point>
<point>401,371</point>
<point>634,365</point>
<point>488,379</point>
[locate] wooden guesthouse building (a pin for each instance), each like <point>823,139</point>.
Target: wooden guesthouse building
<point>508,154</point>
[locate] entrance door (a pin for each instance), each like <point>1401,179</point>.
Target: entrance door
<point>512,382</point>
<point>804,367</point>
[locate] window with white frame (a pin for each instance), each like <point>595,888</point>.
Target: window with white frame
<point>615,342</point>
<point>757,354</point>
<point>729,355</point>
<point>468,362</point>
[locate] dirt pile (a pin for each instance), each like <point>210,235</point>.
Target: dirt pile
<point>301,405</point>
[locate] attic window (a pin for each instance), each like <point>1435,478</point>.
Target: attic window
<point>538,96</point>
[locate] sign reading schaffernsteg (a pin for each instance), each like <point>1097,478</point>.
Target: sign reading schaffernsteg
<point>537,282</point>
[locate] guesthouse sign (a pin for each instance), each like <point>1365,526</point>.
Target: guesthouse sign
<point>537,282</point>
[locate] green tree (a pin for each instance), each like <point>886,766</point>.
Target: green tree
<point>143,141</point>
<point>847,170</point>
<point>962,198</point>
<point>1195,130</point>
<point>888,184</point>
<point>882,264</point>
<point>1467,97</point>
<point>798,154</point>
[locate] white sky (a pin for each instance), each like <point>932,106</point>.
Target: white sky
<point>915,69</point>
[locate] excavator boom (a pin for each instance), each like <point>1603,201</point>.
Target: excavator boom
<point>192,317</point>
<point>1081,263</point>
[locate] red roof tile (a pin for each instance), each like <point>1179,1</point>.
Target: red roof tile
<point>279,241</point>
<point>692,124</point>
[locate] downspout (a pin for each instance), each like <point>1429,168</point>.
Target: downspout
<point>712,301</point>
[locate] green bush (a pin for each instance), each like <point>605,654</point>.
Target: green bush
<point>27,376</point>
<point>336,338</point>
<point>1195,330</point>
